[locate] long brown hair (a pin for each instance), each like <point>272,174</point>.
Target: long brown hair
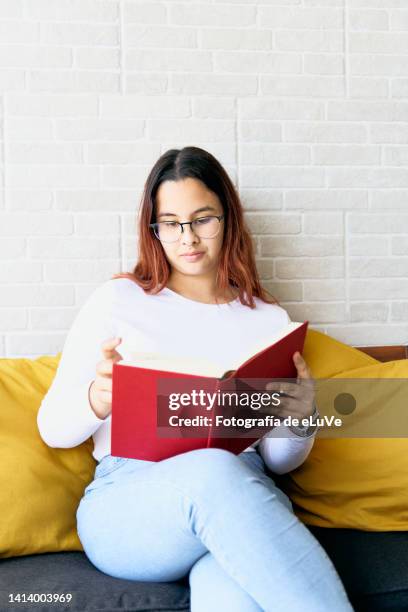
<point>237,262</point>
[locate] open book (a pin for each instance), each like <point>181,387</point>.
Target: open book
<point>135,384</point>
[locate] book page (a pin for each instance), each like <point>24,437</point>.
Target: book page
<point>171,363</point>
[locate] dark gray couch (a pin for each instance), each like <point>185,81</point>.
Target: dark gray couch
<point>373,567</point>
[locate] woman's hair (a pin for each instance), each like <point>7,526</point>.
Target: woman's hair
<point>237,262</point>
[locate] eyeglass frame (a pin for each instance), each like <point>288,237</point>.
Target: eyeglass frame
<point>219,217</point>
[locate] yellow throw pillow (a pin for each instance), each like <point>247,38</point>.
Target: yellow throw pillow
<point>40,486</point>
<point>356,483</point>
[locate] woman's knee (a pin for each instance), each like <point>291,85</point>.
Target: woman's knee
<point>213,589</point>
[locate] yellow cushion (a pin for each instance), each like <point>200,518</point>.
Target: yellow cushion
<point>357,483</point>
<point>40,486</point>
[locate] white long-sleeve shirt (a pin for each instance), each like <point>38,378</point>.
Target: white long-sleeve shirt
<point>165,323</point>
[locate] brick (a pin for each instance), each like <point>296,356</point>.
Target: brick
<point>396,155</point>
<point>194,129</point>
<point>366,19</point>
<point>72,10</point>
<point>13,318</point>
<point>29,200</point>
<point>145,83</point>
<point>365,267</point>
<point>399,245</point>
<point>34,345</point>
<point>37,295</point>
<point>389,133</point>
<point>322,199</point>
<point>275,154</point>
<point>208,15</point>
<point>99,129</point>
<point>79,34</point>
<point>46,319</point>
<point>252,61</point>
<point>264,176</point>
<point>223,84</point>
<point>12,248</point>
<point>367,177</point>
<point>44,177</point>
<point>369,87</point>
<point>123,153</point>
<point>19,56</point>
<point>43,105</point>
<point>48,153</point>
<point>316,267</point>
<point>160,36</point>
<point>325,132</point>
<point>19,32</point>
<point>301,246</point>
<point>25,224</point>
<point>362,312</point>
<point>143,107</point>
<point>24,128</point>
<point>368,245</point>
<point>235,39</point>
<point>374,64</point>
<point>355,110</point>
<point>20,271</point>
<point>98,200</point>
<point>399,311</point>
<point>378,223</point>
<point>323,223</point>
<point>211,107</point>
<point>144,12</point>
<point>124,176</point>
<point>315,41</point>
<point>346,155</point>
<point>78,271</point>
<point>80,81</point>
<point>261,199</point>
<point>378,42</point>
<point>320,86</point>
<point>90,58</point>
<point>323,290</point>
<point>102,225</point>
<point>287,291</point>
<point>376,289</point>
<point>74,247</point>
<point>175,60</point>
<point>317,313</point>
<point>267,131</point>
<point>366,335</point>
<point>323,64</point>
<point>309,18</point>
<point>273,224</point>
<point>271,108</point>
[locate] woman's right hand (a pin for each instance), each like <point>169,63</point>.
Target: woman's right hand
<point>100,391</point>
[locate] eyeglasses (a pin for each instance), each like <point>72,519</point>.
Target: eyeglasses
<point>203,227</point>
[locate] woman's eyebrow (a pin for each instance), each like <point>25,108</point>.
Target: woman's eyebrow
<point>202,209</point>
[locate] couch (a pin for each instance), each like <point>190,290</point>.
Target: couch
<point>372,565</point>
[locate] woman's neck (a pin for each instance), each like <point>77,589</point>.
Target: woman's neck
<point>199,289</point>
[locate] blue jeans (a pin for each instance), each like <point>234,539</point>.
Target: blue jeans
<point>212,515</point>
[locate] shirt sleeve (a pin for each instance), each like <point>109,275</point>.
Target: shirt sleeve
<point>65,418</point>
<point>281,449</point>
<point>284,451</point>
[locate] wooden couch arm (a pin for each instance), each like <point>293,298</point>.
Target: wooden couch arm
<point>385,353</point>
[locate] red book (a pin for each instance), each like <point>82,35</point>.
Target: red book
<point>134,431</point>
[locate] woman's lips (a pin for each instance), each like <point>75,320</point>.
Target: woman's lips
<point>192,256</point>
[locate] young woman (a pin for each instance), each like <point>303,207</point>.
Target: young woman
<point>208,513</point>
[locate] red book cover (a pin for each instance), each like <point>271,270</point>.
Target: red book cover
<point>134,431</point>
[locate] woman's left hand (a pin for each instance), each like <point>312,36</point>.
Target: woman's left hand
<point>298,399</point>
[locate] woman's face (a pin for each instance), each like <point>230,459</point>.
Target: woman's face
<point>186,200</point>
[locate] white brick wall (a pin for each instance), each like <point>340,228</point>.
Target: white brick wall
<point>304,101</point>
